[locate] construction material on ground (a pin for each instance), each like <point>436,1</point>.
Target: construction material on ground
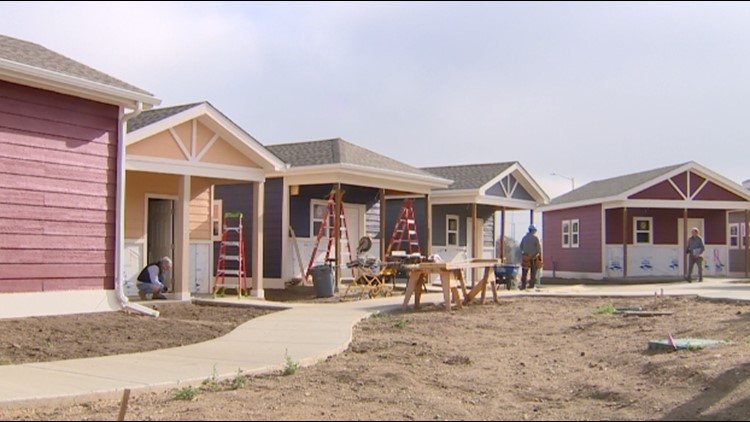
<point>682,344</point>
<point>644,313</point>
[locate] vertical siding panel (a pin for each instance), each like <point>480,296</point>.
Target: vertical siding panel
<point>588,257</point>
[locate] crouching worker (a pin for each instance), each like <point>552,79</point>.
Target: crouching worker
<point>151,279</point>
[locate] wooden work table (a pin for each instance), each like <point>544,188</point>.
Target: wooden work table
<point>451,278</point>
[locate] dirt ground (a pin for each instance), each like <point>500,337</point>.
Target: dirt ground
<point>527,358</point>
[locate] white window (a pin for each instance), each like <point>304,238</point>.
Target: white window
<point>217,220</point>
<point>575,234</point>
<point>566,233</point>
<point>451,230</point>
<point>734,236</point>
<point>317,214</point>
<point>571,233</point>
<point>643,230</point>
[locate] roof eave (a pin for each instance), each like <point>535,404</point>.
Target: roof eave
<point>71,85</point>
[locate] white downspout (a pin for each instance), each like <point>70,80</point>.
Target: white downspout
<point>120,216</point>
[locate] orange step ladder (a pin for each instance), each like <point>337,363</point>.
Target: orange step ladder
<point>231,256</point>
<point>405,232</point>
<point>328,228</point>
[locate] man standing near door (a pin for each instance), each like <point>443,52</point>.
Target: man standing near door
<point>695,248</point>
<point>531,251</point>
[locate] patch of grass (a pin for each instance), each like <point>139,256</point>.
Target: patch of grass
<point>401,324</point>
<point>606,310</point>
<point>379,315</point>
<point>187,393</point>
<point>211,383</point>
<point>694,347</point>
<point>290,366</point>
<point>239,380</point>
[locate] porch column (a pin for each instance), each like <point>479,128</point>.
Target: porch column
<point>502,234</point>
<point>337,234</point>
<point>475,252</point>
<point>382,225</point>
<point>428,225</point>
<point>747,243</point>
<point>259,189</point>
<point>181,265</point>
<point>624,242</point>
<point>684,240</point>
<point>531,216</point>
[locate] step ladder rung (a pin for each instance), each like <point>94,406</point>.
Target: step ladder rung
<point>230,272</point>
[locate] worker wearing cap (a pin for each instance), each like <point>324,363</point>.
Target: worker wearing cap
<point>531,252</point>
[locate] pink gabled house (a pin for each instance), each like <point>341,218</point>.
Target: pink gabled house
<point>637,225</point>
<point>61,166</point>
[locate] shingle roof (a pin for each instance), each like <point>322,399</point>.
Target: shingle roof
<point>338,151</point>
<point>150,117</point>
<point>612,187</point>
<point>30,54</point>
<point>472,176</point>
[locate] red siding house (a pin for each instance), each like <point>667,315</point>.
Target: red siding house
<point>637,225</point>
<point>60,141</point>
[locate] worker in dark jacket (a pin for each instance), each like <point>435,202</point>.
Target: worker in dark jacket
<point>151,279</point>
<point>694,251</point>
<point>531,252</point>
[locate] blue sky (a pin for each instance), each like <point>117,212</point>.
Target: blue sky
<point>585,90</point>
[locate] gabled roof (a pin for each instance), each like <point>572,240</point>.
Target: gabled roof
<point>151,122</point>
<point>471,176</point>
<point>492,184</point>
<point>331,159</point>
<point>32,64</point>
<point>150,117</point>
<point>614,186</point>
<point>619,189</point>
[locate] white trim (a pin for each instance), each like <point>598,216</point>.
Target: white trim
<point>526,181</point>
<point>737,235</point>
<point>365,176</point>
<point>207,147</point>
<point>181,167</point>
<point>576,244</point>
<point>620,200</point>
<point>471,197</point>
<point>46,79</point>
<point>700,188</point>
<point>573,275</point>
<point>221,125</point>
<point>37,304</point>
<point>565,244</point>
<point>650,220</point>
<point>178,141</point>
<point>677,188</point>
<point>285,236</point>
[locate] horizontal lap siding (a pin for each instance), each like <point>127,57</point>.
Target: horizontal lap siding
<point>588,256</point>
<point>58,158</point>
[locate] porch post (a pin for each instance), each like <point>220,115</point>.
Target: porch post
<point>531,216</point>
<point>382,225</point>
<point>747,243</point>
<point>502,234</point>
<point>684,240</point>
<point>257,235</point>
<point>428,225</point>
<point>181,265</point>
<point>337,234</point>
<point>624,242</point>
<point>474,239</point>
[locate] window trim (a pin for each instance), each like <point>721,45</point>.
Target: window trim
<point>448,231</point>
<point>313,220</point>
<point>736,235</point>
<point>636,231</point>
<point>567,236</point>
<point>217,220</point>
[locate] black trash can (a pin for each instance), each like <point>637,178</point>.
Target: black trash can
<point>322,276</point>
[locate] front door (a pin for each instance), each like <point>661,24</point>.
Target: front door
<point>160,238</point>
<point>682,241</point>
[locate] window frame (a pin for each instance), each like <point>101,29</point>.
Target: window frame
<point>217,220</point>
<point>565,234</point>
<point>314,203</point>
<point>575,233</point>
<point>448,231</point>
<point>637,230</point>
<point>737,237</point>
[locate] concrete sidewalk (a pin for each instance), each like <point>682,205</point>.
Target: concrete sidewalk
<point>308,333</point>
